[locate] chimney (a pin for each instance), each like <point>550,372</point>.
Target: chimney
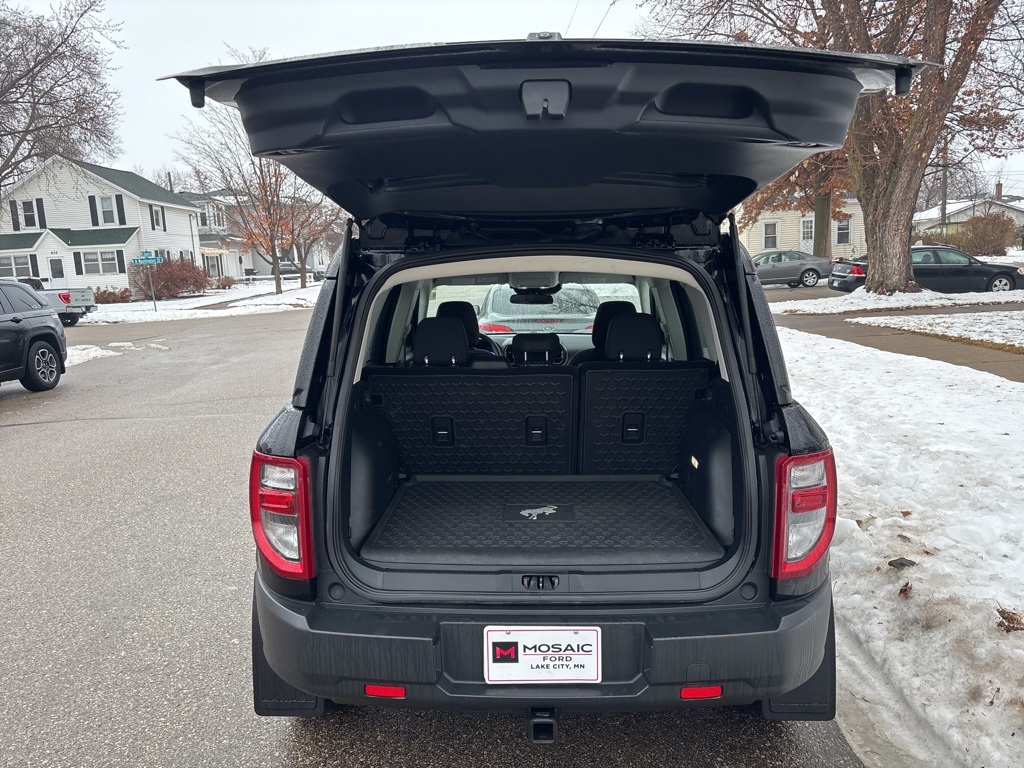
<point>999,190</point>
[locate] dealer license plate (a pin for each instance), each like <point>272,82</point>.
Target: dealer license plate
<point>542,655</point>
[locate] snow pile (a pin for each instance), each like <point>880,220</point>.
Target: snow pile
<point>300,297</point>
<point>994,327</point>
<point>931,468</point>
<point>250,300</point>
<point>862,301</point>
<point>83,353</point>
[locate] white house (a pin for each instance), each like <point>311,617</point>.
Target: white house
<point>222,249</point>
<point>959,211</point>
<point>794,231</point>
<point>79,225</point>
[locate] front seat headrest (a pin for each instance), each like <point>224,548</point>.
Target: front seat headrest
<point>462,311</point>
<point>440,341</point>
<point>536,349</point>
<point>633,338</point>
<point>605,312</point>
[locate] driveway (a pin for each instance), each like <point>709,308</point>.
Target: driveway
<point>128,565</point>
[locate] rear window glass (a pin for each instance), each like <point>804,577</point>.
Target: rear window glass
<point>20,299</point>
<point>572,309</point>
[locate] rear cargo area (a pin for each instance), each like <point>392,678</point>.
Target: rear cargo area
<point>570,521</point>
<point>559,467</point>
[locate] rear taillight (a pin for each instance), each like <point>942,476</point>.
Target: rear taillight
<point>855,270</point>
<point>64,296</point>
<point>279,508</point>
<point>494,328</point>
<point>805,512</point>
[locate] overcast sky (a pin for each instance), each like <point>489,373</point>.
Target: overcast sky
<point>162,38</point>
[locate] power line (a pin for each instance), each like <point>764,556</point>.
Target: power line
<point>607,11</point>
<point>670,20</point>
<point>575,8</point>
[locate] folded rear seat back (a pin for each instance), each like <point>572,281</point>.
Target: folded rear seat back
<point>635,408</point>
<point>466,421</point>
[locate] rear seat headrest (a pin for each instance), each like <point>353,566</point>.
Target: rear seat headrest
<point>440,341</point>
<point>605,312</point>
<point>463,312</point>
<point>633,338</point>
<point>536,348</point>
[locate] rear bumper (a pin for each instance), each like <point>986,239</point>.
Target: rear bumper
<point>753,652</point>
<point>845,283</point>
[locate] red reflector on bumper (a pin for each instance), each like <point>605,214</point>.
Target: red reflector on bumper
<point>385,691</point>
<point>700,692</point>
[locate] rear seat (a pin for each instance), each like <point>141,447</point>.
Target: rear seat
<point>626,416</point>
<point>634,407</point>
<point>452,414</point>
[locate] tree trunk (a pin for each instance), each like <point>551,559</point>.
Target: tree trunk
<point>887,230</point>
<point>823,225</point>
<point>277,266</point>
<point>300,253</point>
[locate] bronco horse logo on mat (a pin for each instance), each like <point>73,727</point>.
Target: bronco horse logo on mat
<point>533,514</point>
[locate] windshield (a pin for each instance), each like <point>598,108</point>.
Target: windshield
<point>572,309</point>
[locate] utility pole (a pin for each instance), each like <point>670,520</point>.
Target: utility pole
<point>944,186</point>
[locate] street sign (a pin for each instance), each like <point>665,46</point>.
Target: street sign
<point>147,254</point>
<point>149,261</point>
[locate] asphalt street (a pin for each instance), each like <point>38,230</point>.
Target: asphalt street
<point>127,576</point>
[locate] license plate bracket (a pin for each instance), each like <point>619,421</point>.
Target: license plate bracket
<point>517,655</point>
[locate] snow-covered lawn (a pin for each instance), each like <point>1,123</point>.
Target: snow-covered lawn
<point>862,301</point>
<point>255,299</point>
<point>1011,257</point>
<point>994,327</point>
<point>931,468</point>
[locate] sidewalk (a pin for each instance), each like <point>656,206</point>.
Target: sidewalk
<point>1009,365</point>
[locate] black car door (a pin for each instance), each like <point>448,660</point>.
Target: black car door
<point>927,269</point>
<point>13,332</point>
<point>958,272</point>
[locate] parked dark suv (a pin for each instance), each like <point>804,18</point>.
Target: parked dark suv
<point>32,344</point>
<point>642,527</point>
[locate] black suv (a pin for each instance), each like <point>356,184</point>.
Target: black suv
<point>641,526</point>
<point>32,343</point>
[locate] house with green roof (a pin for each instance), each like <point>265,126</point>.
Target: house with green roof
<point>79,225</point>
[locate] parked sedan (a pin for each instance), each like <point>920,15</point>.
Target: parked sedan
<point>794,268</point>
<point>938,268</point>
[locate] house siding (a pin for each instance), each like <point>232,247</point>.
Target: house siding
<point>752,236</point>
<point>955,218</point>
<point>65,190</point>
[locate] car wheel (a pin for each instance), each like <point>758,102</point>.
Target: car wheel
<point>809,278</point>
<point>68,320</point>
<point>1000,283</point>
<point>793,285</point>
<point>43,371</point>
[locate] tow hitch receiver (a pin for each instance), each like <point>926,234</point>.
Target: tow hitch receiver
<point>542,727</point>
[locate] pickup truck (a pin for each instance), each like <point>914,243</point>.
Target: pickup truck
<point>69,303</point>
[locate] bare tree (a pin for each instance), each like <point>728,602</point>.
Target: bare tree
<point>312,221</point>
<point>965,178</point>
<point>173,178</point>
<point>216,150</point>
<point>891,139</point>
<point>55,98</point>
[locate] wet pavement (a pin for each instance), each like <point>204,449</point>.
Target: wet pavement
<point>127,576</point>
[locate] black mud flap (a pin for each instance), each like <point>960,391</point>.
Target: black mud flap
<point>272,696</point>
<point>815,699</point>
